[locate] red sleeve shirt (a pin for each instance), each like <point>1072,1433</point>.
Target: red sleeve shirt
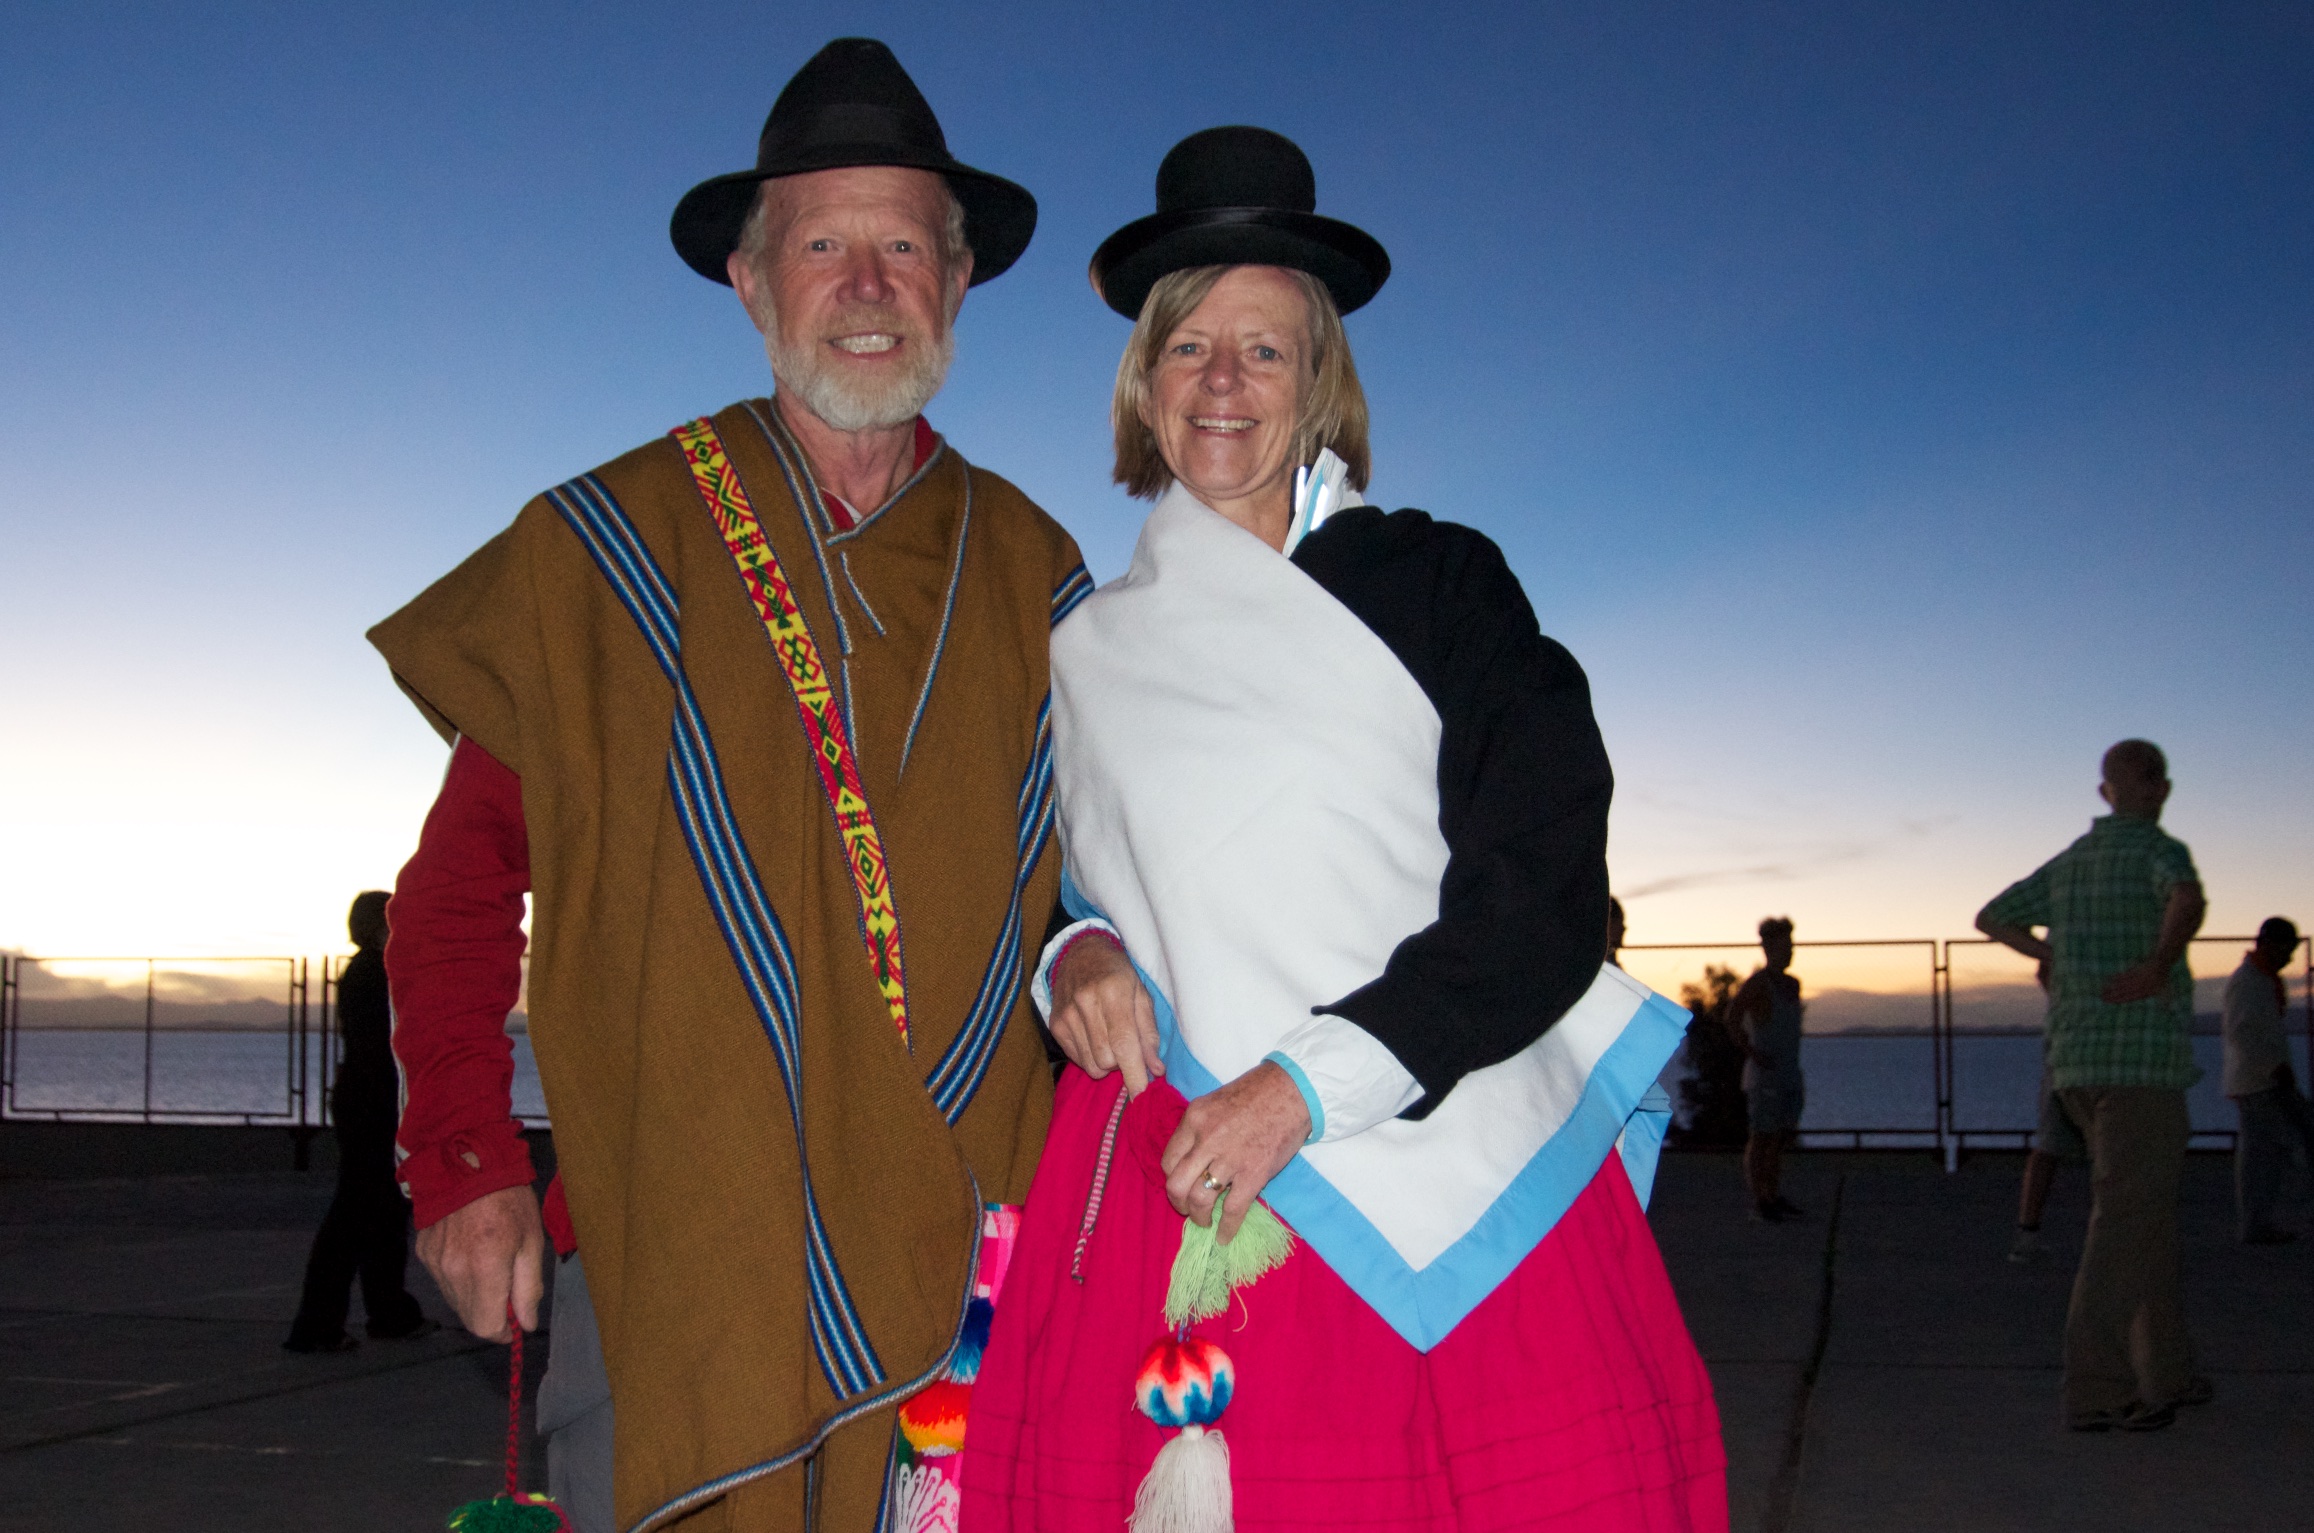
<point>454,962</point>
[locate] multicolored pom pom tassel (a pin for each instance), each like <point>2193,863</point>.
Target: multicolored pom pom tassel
<point>1185,1382</point>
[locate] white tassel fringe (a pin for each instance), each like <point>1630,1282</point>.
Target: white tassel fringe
<point>1187,1489</point>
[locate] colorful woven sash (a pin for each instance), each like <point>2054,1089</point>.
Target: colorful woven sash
<point>815,700</point>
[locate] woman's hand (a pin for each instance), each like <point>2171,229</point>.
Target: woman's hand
<point>1101,1017</point>
<point>1237,1138</point>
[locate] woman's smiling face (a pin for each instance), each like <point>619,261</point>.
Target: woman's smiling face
<point>1227,392</point>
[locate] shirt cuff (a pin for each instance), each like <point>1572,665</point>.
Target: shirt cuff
<point>1040,989</point>
<point>1310,1102</point>
<point>1347,1077</point>
<point>441,1178</point>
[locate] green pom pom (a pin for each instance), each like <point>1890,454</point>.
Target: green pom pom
<point>1207,1270</point>
<point>531,1514</point>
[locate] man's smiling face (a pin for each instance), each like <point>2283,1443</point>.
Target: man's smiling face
<point>855,291</point>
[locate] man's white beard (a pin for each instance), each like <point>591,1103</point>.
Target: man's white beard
<point>848,402</point>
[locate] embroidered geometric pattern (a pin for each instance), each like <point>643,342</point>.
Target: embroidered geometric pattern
<point>815,701</point>
<point>743,912</point>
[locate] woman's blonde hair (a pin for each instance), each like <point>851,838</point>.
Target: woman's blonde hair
<point>1333,410</point>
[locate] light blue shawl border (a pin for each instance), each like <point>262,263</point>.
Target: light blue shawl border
<point>1622,1107</point>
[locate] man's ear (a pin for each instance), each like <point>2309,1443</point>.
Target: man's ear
<point>747,282</point>
<point>961,280</point>
<point>2105,792</point>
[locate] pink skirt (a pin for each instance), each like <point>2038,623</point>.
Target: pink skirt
<point>1572,1397</point>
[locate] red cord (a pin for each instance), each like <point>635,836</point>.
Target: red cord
<point>514,1407</point>
<point>1100,1183</point>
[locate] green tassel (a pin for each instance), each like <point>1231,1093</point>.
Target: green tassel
<point>501,1515</point>
<point>1207,1270</point>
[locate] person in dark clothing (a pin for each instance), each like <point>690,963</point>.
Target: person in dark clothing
<point>1766,1017</point>
<point>367,1228</point>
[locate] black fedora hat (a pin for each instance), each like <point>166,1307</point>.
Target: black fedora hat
<point>852,104</point>
<point>1237,197</point>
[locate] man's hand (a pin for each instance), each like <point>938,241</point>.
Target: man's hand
<point>2138,982</point>
<point>2148,977</point>
<point>482,1255</point>
<point>1102,1018</point>
<point>1238,1137</point>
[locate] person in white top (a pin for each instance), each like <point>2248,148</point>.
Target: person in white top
<point>1335,812</point>
<point>2259,1079</point>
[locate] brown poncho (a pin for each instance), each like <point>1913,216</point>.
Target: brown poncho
<point>606,649</point>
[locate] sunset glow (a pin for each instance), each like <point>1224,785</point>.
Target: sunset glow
<point>1889,409</point>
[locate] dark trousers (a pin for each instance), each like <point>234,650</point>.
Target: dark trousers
<point>366,1231</point>
<point>2273,1120</point>
<point>2125,1335</point>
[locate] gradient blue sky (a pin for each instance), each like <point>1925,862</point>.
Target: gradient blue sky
<point>1890,405</point>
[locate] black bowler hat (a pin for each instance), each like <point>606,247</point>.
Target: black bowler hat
<point>1237,197</point>
<point>852,105</point>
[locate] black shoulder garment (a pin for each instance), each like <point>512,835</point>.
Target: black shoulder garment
<point>1523,790</point>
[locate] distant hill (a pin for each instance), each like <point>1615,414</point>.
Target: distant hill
<point>115,1011</point>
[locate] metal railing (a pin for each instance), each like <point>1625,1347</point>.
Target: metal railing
<point>1887,1008</point>
<point>141,1040</point>
<point>306,1033</point>
<point>1938,1007</point>
<point>92,1078</point>
<point>8,983</point>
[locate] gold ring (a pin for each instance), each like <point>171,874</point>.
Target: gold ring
<point>1210,1185</point>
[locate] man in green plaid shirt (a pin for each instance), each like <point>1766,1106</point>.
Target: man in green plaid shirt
<point>2119,906</point>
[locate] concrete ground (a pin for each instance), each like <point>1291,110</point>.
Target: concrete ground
<point>1880,1366</point>
<point>143,1384</point>
<point>1884,1366</point>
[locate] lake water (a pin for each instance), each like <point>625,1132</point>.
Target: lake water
<point>195,1073</point>
<point>1868,1082</point>
<point>1854,1081</point>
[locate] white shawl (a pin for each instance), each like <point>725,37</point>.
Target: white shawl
<point>1248,793</point>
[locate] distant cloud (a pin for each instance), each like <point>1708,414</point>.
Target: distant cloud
<point>1786,869</point>
<point>1764,873</point>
